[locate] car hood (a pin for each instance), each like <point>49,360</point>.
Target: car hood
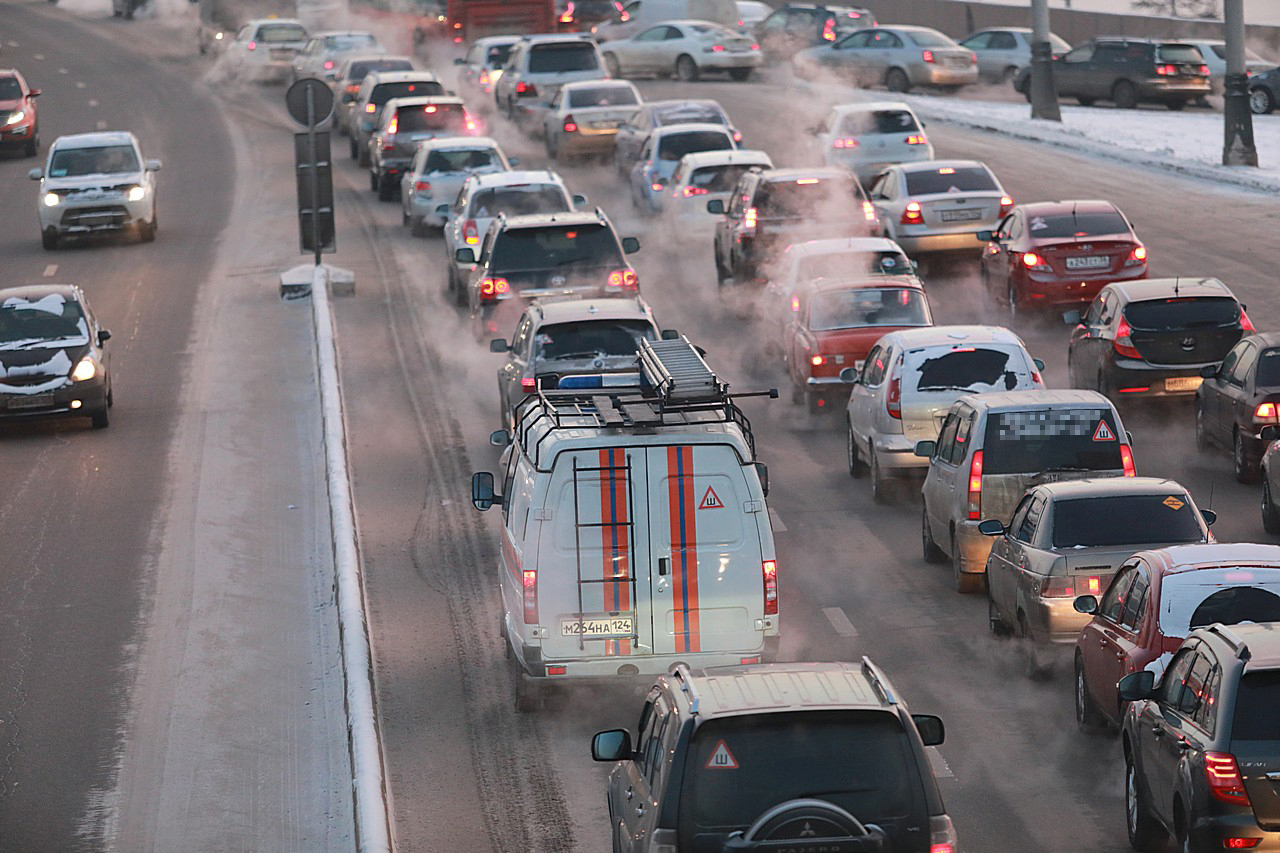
<point>115,180</point>
<point>40,363</point>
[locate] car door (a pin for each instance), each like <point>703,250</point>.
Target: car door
<point>939,488</point>
<point>1026,571</point>
<point>637,807</point>
<point>1125,635</point>
<point>864,393</point>
<point>641,54</point>
<point>978,44</point>
<point>1002,54</point>
<point>997,260</point>
<point>1211,391</point>
<point>513,369</point>
<point>1072,71</point>
<point>1235,404</point>
<point>640,169</point>
<point>1089,341</point>
<point>1163,723</point>
<point>879,55</point>
<point>1098,643</point>
<point>798,342</point>
<point>1006,556</point>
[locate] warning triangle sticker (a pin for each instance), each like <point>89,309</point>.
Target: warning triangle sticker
<point>722,758</point>
<point>711,500</point>
<point>1103,432</point>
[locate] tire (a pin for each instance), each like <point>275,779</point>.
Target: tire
<point>1085,100</point>
<point>964,582</point>
<point>147,232</point>
<point>49,239</point>
<point>857,469</point>
<point>895,80</point>
<point>1009,75</point>
<point>362,160</point>
<point>1203,442</point>
<point>1175,106</point>
<point>417,227</point>
<point>932,553</point>
<point>1124,95</point>
<point>386,189</point>
<point>995,623</point>
<point>1143,831</point>
<point>1245,469</point>
<point>1261,101</point>
<point>373,181</point>
<point>1088,718</point>
<point>721,277</point>
<point>740,75</point>
<point>526,691</point>
<point>611,64</point>
<point>1270,515</point>
<point>1032,665</point>
<point>686,68</point>
<point>100,420</point>
<point>880,485</point>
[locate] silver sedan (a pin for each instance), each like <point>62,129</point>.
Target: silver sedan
<point>684,48</point>
<point>897,57</point>
<point>939,205</point>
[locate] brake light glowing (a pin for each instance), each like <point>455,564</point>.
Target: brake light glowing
<point>523,88</point>
<point>1126,459</point>
<point>844,143</point>
<point>656,186</point>
<point>806,181</point>
<point>429,109</point>
<point>770,569</point>
<point>570,126</point>
<point>1006,204</point>
<point>1032,261</point>
<point>795,303</point>
<point>973,58</point>
<point>917,139</point>
<point>253,45</point>
<point>1137,257</point>
<point>391,128</point>
<point>370,108</point>
<point>829,30</point>
<point>692,191</point>
<point>529,577</point>
<point>975,486</point>
<point>484,77</point>
<point>750,217</point>
<point>422,186</point>
<point>1241,843</point>
<point>328,65</point>
<point>492,289</point>
<point>717,48</point>
<point>946,170</point>
<point>912,215</point>
<point>352,88</point>
<point>1124,342</point>
<point>528,384</point>
<point>928,56</point>
<point>1223,776</point>
<point>816,360</point>
<point>1094,585</point>
<point>470,232</point>
<point>868,211</point>
<point>567,17</point>
<point>1265,412</point>
<point>1166,70</point>
<point>1245,323</point>
<point>893,403</point>
<point>626,279</point>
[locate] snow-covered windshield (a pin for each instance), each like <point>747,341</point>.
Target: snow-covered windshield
<point>48,320</point>
<point>1227,595</point>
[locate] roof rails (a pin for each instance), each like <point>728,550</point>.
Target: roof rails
<point>1232,639</point>
<point>683,676</point>
<point>873,674</point>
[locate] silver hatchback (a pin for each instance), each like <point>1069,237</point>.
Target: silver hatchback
<point>899,58</point>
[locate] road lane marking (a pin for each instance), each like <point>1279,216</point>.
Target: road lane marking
<point>92,102</point>
<point>102,125</point>
<point>38,56</point>
<point>11,43</point>
<point>79,84</point>
<point>63,71</point>
<point>839,621</point>
<point>50,270</point>
<point>941,769</point>
<point>776,521</point>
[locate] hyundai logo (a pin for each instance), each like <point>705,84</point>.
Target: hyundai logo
<point>1188,343</point>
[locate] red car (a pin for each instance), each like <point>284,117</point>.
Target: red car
<point>1059,253</point>
<point>834,323</point>
<point>1151,605</point>
<point>19,119</point>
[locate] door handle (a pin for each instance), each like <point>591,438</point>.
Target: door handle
<point>1157,731</point>
<point>664,564</point>
<point>640,810</point>
<point>629,794</point>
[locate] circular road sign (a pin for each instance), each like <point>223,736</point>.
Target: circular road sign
<point>320,95</point>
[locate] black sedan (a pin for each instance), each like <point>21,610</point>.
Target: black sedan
<point>1237,399</point>
<point>53,362</point>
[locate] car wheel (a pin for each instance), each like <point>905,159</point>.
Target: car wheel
<point>686,68</point>
<point>373,181</point>
<point>995,622</point>
<point>1261,101</point>
<point>1086,101</point>
<point>965,582</point>
<point>363,160</point>
<point>386,189</point>
<point>146,232</point>
<point>1034,664</point>
<point>1088,717</point>
<point>1103,386</point>
<point>526,691</point>
<point>1009,75</point>
<point>856,468</point>
<point>49,239</point>
<point>880,485</point>
<point>611,63</point>
<point>100,420</point>
<point>1176,105</point>
<point>417,227</point>
<point>895,80</point>
<point>1270,515</point>
<point>1246,470</point>
<point>1124,95</point>
<point>932,553</point>
<point>721,274</point>
<point>740,75</point>
<point>1144,833</point>
<point>1203,443</point>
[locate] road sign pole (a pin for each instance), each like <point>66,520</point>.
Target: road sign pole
<point>1237,144</point>
<point>314,177</point>
<point>1044,95</point>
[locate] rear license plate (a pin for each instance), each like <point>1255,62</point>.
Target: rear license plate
<point>1182,383</point>
<point>963,215</point>
<point>35,401</point>
<point>1088,262</point>
<point>597,627</point>
<point>605,125</point>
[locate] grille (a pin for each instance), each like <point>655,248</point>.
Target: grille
<point>107,216</point>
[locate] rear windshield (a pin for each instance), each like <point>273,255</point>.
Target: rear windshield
<point>519,201</point>
<point>972,369</point>
<point>460,159</point>
<point>10,90</point>
<point>962,179</point>
<point>720,179</point>
<point>1124,520</point>
<point>277,33</point>
<point>431,117</point>
<point>859,307</point>
<point>852,263</point>
<point>880,121</point>
<point>929,38</point>
<point>1187,312</point>
<point>603,96</point>
<point>1077,225</point>
<point>359,70</point>
<point>1051,440</point>
<point>496,56</point>
<point>1179,53</point>
<point>676,145</point>
<point>810,198</point>
<point>50,318</point>
<point>526,249</point>
<point>689,114</point>
<point>103,160</point>
<point>591,338</point>
<point>1256,702</point>
<point>384,92</point>
<point>1268,368</point>
<point>1227,595</point>
<point>349,41</point>
<point>553,58</point>
<point>858,760</point>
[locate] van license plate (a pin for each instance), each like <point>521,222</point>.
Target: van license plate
<point>1182,383</point>
<point>598,627</point>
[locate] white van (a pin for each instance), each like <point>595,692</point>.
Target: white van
<point>641,14</point>
<point>635,534</point>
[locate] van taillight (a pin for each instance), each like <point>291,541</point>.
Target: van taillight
<point>770,568</point>
<point>975,486</point>
<point>493,289</point>
<point>470,232</point>
<point>1225,782</point>
<point>942,835</point>
<point>530,578</point>
<point>750,218</point>
<point>893,404</point>
<point>844,142</point>
<point>868,211</point>
<point>1126,459</point>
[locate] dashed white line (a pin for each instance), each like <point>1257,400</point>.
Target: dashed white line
<point>63,71</point>
<point>50,270</point>
<point>101,125</point>
<point>92,102</point>
<point>941,769</point>
<point>11,43</point>
<point>775,521</point>
<point>839,621</point>
<point>79,84</point>
<point>38,56</point>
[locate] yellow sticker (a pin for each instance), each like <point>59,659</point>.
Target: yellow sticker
<point>1173,503</point>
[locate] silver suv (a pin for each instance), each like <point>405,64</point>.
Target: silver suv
<point>536,69</point>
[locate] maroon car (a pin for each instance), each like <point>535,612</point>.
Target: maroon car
<point>19,119</point>
<point>1060,253</point>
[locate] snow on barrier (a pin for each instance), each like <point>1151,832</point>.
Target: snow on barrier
<point>373,825</point>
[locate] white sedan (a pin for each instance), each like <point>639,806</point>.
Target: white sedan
<point>683,48</point>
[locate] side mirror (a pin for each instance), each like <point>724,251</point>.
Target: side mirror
<point>716,205</point>
<point>514,161</point>
<point>1086,604</point>
<point>499,438</point>
<point>1071,318</point>
<point>991,527</point>
<point>35,93</point>
<point>1039,363</point>
<point>104,336</point>
<point>670,335</point>
<point>1209,371</point>
<point>35,174</point>
<point>442,210</point>
<point>630,245</point>
<point>660,182</point>
<point>482,496</point>
<point>1137,685</point>
<point>1209,516</point>
<point>465,256</point>
<point>450,92</point>
<point>762,471</point>
<point>579,201</point>
<point>498,345</point>
<point>613,745</point>
<point>850,375</point>
<point>459,61</point>
<point>348,98</point>
<point>931,729</point>
<point>926,449</point>
<point>154,165</point>
<point>1270,432</point>
<point>986,236</point>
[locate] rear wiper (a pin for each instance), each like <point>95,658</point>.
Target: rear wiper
<point>1066,468</point>
<point>944,388</point>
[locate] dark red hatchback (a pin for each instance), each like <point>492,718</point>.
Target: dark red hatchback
<point>19,118</point>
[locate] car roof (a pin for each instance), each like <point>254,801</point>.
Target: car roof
<point>553,38</point>
<point>489,41</point>
<point>686,22</point>
<point>776,687</point>
<point>690,127</point>
<point>934,165</point>
<point>1065,208</point>
<point>332,33</point>
<point>676,103</point>
<point>423,101</point>
<point>930,336</point>
<point>259,21</point>
<point>596,84</point>
<point>518,177</point>
<point>34,292</point>
<point>569,310</point>
<point>908,28</point>
<point>1000,30</point>
<point>1182,558</point>
<point>1158,288</point>
<point>1264,339</point>
<point>569,217</point>
<point>1139,40</point>
<point>444,142</point>
<point>726,157</point>
<point>95,139</point>
<point>832,245</point>
<point>406,76</point>
<point>802,172</point>
<point>1101,487</point>
<point>872,106</point>
<point>1261,639</point>
<point>1035,398</point>
<point>871,280</point>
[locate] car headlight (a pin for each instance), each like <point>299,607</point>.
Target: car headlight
<point>14,118</point>
<point>52,199</point>
<point>136,193</point>
<point>86,369</point>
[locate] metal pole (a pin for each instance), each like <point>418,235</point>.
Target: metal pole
<point>314,176</point>
<point>1237,145</point>
<point>1044,94</point>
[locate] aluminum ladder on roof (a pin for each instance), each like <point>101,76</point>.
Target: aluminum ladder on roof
<point>678,373</point>
<point>608,478</point>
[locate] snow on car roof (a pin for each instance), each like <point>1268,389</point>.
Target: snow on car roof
<point>96,139</point>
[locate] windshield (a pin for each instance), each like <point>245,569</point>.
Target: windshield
<point>103,160</point>
<point>519,201</point>
<point>929,38</point>
<point>432,117</point>
<point>51,318</point>
<point>860,307</point>
<point>1125,520</point>
<point>1030,442</point>
<point>1077,225</point>
<point>591,338</point>
<point>359,70</point>
<point>973,369</point>
<point>349,41</point>
<point>838,264</point>
<point>277,33</point>
<point>1182,313</point>
<point>1257,699</point>
<point>1228,595</point>
<point>676,145</point>
<point>384,92</point>
<point>10,90</point>
<point>720,179</point>
<point>604,96</point>
<point>557,58</point>
<point>879,121</point>
<point>1179,53</point>
<point>689,114</point>
<point>553,247</point>
<point>961,179</point>
<point>858,760</point>
<point>460,159</point>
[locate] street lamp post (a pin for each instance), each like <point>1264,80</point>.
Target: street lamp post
<point>1044,94</point>
<point>1237,147</point>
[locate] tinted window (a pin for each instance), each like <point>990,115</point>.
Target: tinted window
<point>1077,225</point>
<point>518,201</point>
<point>591,338</point>
<point>1124,520</point>
<point>1179,53</point>
<point>1050,440</point>
<point>928,38</point>
<point>350,41</point>
<point>1182,313</point>
<point>276,33</point>
<point>676,145</point>
<point>1204,596</point>
<point>46,319</point>
<point>719,179</point>
<point>1256,703</point>
<point>964,369</point>
<point>460,159</point>
<point>880,121</point>
<point>1113,602</point>
<point>10,89</point>
<point>948,180</point>
<point>359,70</point>
<point>450,117</point>
<point>554,58</point>
<point>496,56</point>
<point>604,96</point>
<point>1268,368</point>
<point>861,761</point>
<point>857,307</point>
<point>811,198</point>
<point>560,246</point>
<point>852,263</point>
<point>384,92</point>
<point>103,160</point>
<point>688,114</point>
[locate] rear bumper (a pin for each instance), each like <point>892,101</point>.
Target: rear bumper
<point>944,76</point>
<point>1211,831</point>
<point>1053,291</point>
<point>1132,378</point>
<point>966,241</point>
<point>587,143</point>
<point>609,668</point>
<point>974,548</point>
<point>896,454</point>
<point>725,60</point>
<point>1172,91</point>
<point>1055,620</point>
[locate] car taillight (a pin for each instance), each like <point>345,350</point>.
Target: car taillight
<point>770,569</point>
<point>893,403</point>
<point>570,126</point>
<point>484,77</point>
<point>1032,261</point>
<point>1240,843</point>
<point>911,214</point>
<point>529,578</point>
<point>253,45</point>
<point>928,56</point>
<point>422,186</point>
<point>473,126</point>
<point>737,136</point>
<point>656,186</point>
<point>1006,204</point>
<point>942,835</point>
<point>470,232</point>
<point>328,65</point>
<point>973,58</point>
<point>1137,257</point>
<point>1223,776</point>
<point>829,30</point>
<point>1166,70</point>
<point>1124,343</point>
<point>868,211</point>
<point>523,88</point>
<point>1265,412</point>
<point>844,142</point>
<point>750,217</point>
<point>1204,71</point>
<point>917,139</point>
<point>975,486</point>
<point>352,88</point>
<point>625,279</point>
<point>755,47</point>
<point>1126,460</point>
<point>567,17</point>
<point>716,48</point>
<point>816,360</point>
<point>1056,586</point>
<point>493,289</point>
<point>1245,323</point>
<point>528,384</point>
<point>1093,585</point>
<point>370,108</point>
<point>692,191</point>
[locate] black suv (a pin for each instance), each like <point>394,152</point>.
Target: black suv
<point>545,254</point>
<point>797,26</point>
<point>729,758</point>
<point>1128,72</point>
<point>1202,743</point>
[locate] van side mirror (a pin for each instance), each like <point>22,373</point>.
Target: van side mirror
<point>762,471</point>
<point>1039,363</point>
<point>1209,516</point>
<point>1138,685</point>
<point>1086,604</point>
<point>465,256</point>
<point>498,345</point>
<point>499,438</point>
<point>612,745</point>
<point>1209,371</point>
<point>991,527</point>
<point>154,165</point>
<point>716,205</point>
<point>926,448</point>
<point>1071,318</point>
<point>850,375</point>
<point>931,729</point>
<point>35,174</point>
<point>103,336</point>
<point>986,236</point>
<point>630,245</point>
<point>482,496</point>
<point>1270,432</point>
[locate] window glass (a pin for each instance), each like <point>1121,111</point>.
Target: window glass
<point>101,160</point>
<point>558,58</point>
<point>874,370</point>
<point>1205,715</point>
<point>1080,225</point>
<point>807,198</point>
<point>1026,531</point>
<point>1109,52</point>
<point>978,42</point>
<point>929,38</point>
<point>518,200</point>
<point>1229,363</point>
<point>883,40</point>
<point>10,89</point>
<point>1135,605</point>
<point>967,418</point>
<point>675,145</point>
<point>1179,53</point>
<point>460,159</point>
<point>991,367</point>
<point>359,70</point>
<point>556,247</point>
<point>878,121</point>
<point>719,179</point>
<point>1257,698</point>
<point>947,437</point>
<point>1248,356</point>
<point>1051,440</point>
<point>450,118</point>
<point>1094,315</point>
<point>603,96</point>
<point>1174,682</point>
<point>1183,312</point>
<point>653,750</point>
<point>49,319</point>
<point>1080,54</point>
<point>591,339</point>
<point>1159,519</point>
<point>1226,595</point>
<point>1189,702</point>
<point>1019,516</point>
<point>277,33</point>
<point>496,55</point>
<point>1113,601</point>
<point>946,179</point>
<point>384,92</point>
<point>1268,369</point>
<point>1003,41</point>
<point>865,307</point>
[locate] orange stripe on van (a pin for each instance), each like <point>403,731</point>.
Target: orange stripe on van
<point>615,540</point>
<point>684,548</point>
